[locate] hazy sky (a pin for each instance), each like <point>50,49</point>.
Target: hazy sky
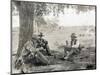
<point>70,18</point>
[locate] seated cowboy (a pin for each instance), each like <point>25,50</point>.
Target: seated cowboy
<point>42,43</point>
<point>74,47</point>
<point>74,41</point>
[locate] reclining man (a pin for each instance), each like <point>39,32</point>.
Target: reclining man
<point>31,54</point>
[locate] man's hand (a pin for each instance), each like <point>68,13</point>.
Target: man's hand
<point>40,48</point>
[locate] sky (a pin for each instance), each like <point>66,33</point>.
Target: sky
<point>69,18</point>
<point>72,19</point>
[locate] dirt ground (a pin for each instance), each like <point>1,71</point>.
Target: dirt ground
<point>80,62</point>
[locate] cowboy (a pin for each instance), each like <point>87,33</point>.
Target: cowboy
<point>74,48</point>
<point>42,43</point>
<point>74,41</point>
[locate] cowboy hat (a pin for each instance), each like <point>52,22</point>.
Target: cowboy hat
<point>73,35</point>
<point>41,34</point>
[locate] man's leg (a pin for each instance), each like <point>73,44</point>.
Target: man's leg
<point>47,50</point>
<point>72,53</point>
<point>42,58</point>
<point>69,54</point>
<point>65,52</point>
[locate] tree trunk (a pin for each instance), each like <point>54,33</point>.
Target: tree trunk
<point>26,29</point>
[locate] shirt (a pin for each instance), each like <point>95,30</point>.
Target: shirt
<point>76,45</point>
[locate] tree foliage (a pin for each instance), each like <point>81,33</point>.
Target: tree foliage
<point>42,8</point>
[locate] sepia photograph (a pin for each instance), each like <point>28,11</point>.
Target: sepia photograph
<point>52,37</point>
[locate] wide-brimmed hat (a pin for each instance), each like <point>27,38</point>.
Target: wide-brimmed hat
<point>41,34</point>
<point>73,35</point>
